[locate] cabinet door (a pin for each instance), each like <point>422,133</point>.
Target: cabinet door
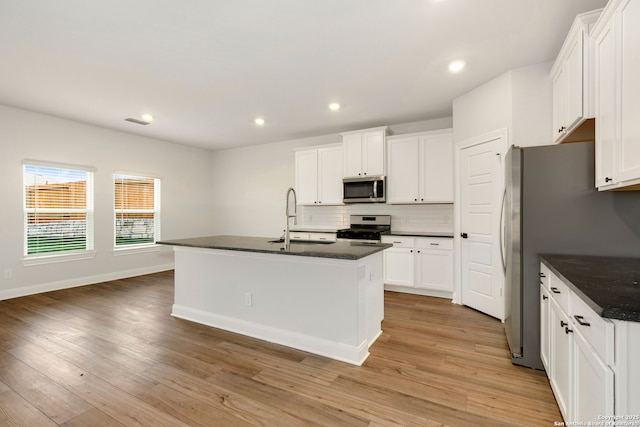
<point>593,383</point>
<point>574,81</point>
<point>561,358</point>
<point>373,153</point>
<point>605,106</point>
<point>330,175</point>
<point>628,155</point>
<point>306,165</point>
<point>402,180</point>
<point>436,171</point>
<point>434,269</point>
<point>352,152</point>
<point>544,327</point>
<point>559,104</point>
<point>398,266</point>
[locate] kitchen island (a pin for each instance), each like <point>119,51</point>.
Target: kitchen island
<point>326,299</point>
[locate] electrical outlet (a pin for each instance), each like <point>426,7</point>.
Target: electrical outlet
<point>248,299</point>
<point>8,274</point>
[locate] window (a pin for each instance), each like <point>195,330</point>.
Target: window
<point>137,210</point>
<point>58,209</point>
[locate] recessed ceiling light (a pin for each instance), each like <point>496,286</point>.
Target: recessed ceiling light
<point>456,66</point>
<point>147,118</point>
<point>259,121</point>
<point>334,106</point>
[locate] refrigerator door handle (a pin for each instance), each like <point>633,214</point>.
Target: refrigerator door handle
<point>502,226</point>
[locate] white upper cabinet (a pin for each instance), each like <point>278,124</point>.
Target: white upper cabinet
<point>319,175</point>
<point>364,152</point>
<point>420,168</point>
<point>571,75</point>
<point>617,90</point>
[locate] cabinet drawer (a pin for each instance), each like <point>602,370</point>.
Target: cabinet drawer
<point>545,273</point>
<point>434,243</point>
<point>322,237</point>
<point>597,331</point>
<point>559,292</point>
<point>298,235</point>
<point>399,241</point>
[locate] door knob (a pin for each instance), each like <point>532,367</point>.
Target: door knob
<point>464,235</point>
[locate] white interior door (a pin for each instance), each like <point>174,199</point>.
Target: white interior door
<point>481,188</point>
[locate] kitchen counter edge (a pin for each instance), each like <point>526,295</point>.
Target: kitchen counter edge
<point>603,287</point>
<point>337,250</point>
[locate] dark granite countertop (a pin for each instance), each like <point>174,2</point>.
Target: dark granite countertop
<point>336,250</point>
<point>423,233</point>
<point>610,286</point>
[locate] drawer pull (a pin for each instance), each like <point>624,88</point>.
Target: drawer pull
<point>581,321</point>
<point>544,297</point>
<point>396,242</point>
<point>567,330</point>
<point>555,290</point>
<point>563,324</point>
<point>542,275</point>
<point>434,244</point>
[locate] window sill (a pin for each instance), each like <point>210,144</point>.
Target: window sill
<point>136,249</point>
<point>52,259</point>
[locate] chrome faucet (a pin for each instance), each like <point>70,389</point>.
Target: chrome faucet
<point>287,239</point>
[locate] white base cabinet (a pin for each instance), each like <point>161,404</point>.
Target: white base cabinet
<point>421,265</point>
<point>591,362</point>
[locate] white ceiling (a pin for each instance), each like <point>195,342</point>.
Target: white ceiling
<point>207,68</point>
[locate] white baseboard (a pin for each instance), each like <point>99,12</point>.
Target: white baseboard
<point>419,291</point>
<point>355,355</point>
<point>81,281</point>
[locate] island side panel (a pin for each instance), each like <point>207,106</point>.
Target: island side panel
<point>326,306</point>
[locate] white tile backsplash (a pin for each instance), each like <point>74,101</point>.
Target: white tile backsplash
<point>404,218</point>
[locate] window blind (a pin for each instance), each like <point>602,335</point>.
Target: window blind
<point>58,209</point>
<point>137,210</point>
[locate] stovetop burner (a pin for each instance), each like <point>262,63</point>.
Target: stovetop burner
<point>366,227</point>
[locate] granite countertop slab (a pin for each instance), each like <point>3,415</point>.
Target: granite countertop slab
<point>423,233</point>
<point>610,286</point>
<point>335,250</point>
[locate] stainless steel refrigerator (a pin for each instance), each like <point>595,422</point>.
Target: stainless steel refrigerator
<point>551,206</point>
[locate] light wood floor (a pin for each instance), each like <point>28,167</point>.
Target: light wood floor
<point>111,355</point>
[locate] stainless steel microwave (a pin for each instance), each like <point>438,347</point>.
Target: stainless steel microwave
<point>370,189</point>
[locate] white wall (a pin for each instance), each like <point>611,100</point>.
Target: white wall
<point>186,196</point>
<point>483,110</point>
<point>250,183</point>
<point>532,103</point>
<point>519,100</point>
